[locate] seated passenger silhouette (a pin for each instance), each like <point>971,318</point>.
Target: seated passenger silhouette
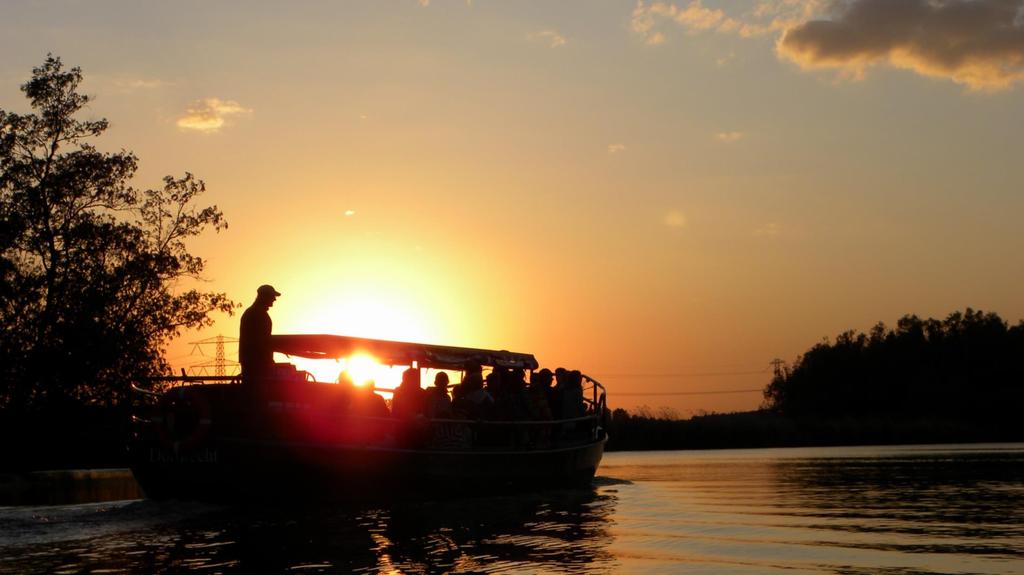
<point>571,395</point>
<point>346,391</point>
<point>555,396</point>
<point>366,402</point>
<point>539,405</point>
<point>516,403</point>
<point>409,400</point>
<point>494,383</point>
<point>570,401</point>
<point>475,402</point>
<point>456,392</point>
<point>439,405</point>
<point>538,395</point>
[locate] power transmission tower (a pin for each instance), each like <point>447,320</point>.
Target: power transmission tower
<point>779,366</point>
<point>220,365</point>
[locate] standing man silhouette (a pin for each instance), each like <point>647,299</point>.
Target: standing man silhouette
<point>255,352</point>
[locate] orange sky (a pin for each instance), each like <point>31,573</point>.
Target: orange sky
<point>666,196</point>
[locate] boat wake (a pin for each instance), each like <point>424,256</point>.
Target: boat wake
<point>42,525</point>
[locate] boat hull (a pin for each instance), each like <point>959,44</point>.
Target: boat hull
<point>301,440</point>
<point>228,469</point>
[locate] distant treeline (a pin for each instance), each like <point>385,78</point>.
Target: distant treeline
<point>952,380</point>
<point>968,367</point>
<point>763,428</point>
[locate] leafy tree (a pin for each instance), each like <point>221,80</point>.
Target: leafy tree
<point>966,367</point>
<point>90,267</point>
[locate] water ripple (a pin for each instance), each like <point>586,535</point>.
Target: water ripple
<point>853,511</point>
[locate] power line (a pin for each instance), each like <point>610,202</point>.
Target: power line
<point>220,363</point>
<point>779,367</point>
<point>683,374</point>
<point>715,392</point>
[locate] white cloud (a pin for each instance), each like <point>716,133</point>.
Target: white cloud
<point>616,148</point>
<point>729,137</point>
<point>210,115</point>
<point>675,219</point>
<point>550,37</point>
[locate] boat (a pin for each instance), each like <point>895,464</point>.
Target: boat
<point>290,436</point>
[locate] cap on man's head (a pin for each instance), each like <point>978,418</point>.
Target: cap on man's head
<point>267,289</point>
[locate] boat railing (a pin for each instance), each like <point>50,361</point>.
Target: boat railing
<point>594,406</point>
<point>511,423</point>
<point>518,434</point>
<point>596,402</point>
<point>471,434</point>
<point>394,422</point>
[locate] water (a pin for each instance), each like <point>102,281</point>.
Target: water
<point>888,510</point>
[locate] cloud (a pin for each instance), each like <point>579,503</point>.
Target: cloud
<point>655,39</point>
<point>128,85</point>
<point>210,115</point>
<point>550,37</point>
<point>694,16</point>
<point>125,84</point>
<point>977,43</point>
<point>675,219</point>
<point>768,230</point>
<point>729,137</point>
<point>767,17</point>
<point>616,148</point>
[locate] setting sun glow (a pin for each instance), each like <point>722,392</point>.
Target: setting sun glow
<point>362,368</point>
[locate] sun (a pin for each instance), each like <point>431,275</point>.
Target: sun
<point>362,368</point>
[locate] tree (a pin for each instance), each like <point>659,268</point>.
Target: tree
<point>91,268</point>
<point>966,367</point>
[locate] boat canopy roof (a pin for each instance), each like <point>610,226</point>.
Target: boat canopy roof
<point>397,352</point>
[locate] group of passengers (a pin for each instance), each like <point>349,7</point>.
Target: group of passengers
<point>502,395</point>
